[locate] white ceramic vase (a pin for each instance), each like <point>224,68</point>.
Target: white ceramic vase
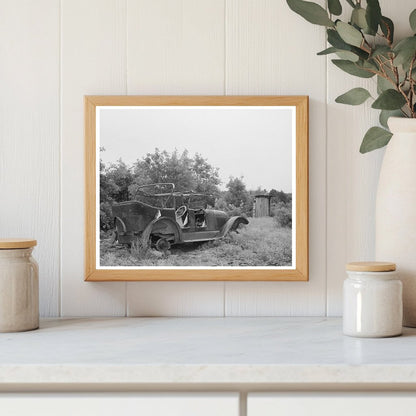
<point>396,210</point>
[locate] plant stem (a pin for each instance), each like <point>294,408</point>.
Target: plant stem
<point>412,86</point>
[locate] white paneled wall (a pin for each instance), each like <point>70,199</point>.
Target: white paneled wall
<point>53,52</point>
<point>176,47</point>
<point>30,136</point>
<point>351,177</point>
<point>260,59</point>
<point>93,61</point>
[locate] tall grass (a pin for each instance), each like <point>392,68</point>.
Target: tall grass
<point>260,243</point>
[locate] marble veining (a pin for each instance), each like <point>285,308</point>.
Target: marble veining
<point>203,350</point>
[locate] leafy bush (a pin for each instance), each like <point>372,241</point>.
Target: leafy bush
<point>282,214</point>
<point>106,216</point>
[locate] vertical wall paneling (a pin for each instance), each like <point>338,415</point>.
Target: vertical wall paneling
<point>352,177</point>
<point>54,52</point>
<point>175,299</point>
<point>175,47</point>
<point>93,61</point>
<point>29,134</point>
<point>272,51</point>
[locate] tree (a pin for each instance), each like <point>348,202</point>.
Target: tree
<point>115,180</point>
<point>206,176</point>
<point>280,196</point>
<point>187,173</point>
<point>237,194</point>
<point>119,182</point>
<point>238,197</point>
<point>118,179</point>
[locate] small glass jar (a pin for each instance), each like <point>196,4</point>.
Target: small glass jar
<point>19,286</point>
<point>372,300</point>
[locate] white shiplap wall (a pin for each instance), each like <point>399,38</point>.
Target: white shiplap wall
<point>351,177</point>
<point>55,52</point>
<point>30,134</point>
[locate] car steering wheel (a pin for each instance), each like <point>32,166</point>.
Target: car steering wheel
<point>180,211</point>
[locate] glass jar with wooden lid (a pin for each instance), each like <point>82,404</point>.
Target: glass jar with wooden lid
<point>372,300</point>
<point>19,286</point>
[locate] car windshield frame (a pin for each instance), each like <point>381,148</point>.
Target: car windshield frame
<point>169,198</point>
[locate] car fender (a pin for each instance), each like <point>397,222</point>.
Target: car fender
<point>118,220</point>
<point>166,223</point>
<point>232,224</point>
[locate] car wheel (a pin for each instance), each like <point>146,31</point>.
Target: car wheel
<point>162,245</point>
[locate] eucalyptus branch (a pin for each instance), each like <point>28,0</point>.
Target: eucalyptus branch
<point>395,71</point>
<point>406,97</point>
<point>412,85</point>
<point>386,37</point>
<point>369,46</point>
<point>385,75</point>
<point>365,44</point>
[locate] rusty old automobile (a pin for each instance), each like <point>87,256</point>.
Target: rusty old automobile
<point>160,217</point>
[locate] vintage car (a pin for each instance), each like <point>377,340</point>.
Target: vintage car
<point>161,217</point>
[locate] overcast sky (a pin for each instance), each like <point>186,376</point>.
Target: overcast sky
<point>252,142</point>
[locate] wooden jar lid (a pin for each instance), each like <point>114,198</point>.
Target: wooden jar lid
<point>11,243</point>
<point>371,266</point>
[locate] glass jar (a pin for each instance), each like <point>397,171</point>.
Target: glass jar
<point>19,286</point>
<point>372,300</point>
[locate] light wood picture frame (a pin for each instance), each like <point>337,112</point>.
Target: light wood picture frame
<point>125,127</point>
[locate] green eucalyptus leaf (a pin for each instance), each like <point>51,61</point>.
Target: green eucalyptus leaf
<point>405,44</point>
<point>392,76</point>
<point>327,51</point>
<point>356,96</point>
<point>412,20</point>
<point>387,27</point>
<point>311,12</point>
<point>381,50</point>
<point>360,52</point>
<point>349,34</point>
<point>370,65</point>
<point>389,100</point>
<point>375,138</point>
<point>383,84</point>
<point>336,41</point>
<point>348,56</point>
<point>334,7</point>
<point>405,50</point>
<point>352,68</point>
<point>386,114</point>
<point>358,18</point>
<point>373,15</point>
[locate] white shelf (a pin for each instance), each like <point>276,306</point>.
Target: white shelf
<point>203,352</point>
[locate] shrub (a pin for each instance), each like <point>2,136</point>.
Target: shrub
<point>106,216</point>
<point>282,215</point>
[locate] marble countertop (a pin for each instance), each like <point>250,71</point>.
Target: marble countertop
<point>203,351</point>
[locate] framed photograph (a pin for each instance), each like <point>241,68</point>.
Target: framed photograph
<point>196,188</point>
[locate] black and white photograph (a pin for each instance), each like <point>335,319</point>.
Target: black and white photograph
<point>196,186</point>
